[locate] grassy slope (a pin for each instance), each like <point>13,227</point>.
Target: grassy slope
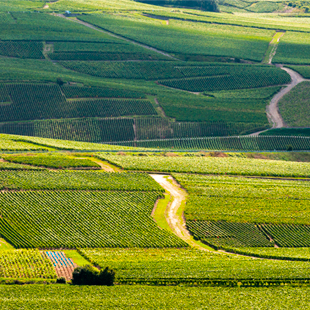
<point>295,106</point>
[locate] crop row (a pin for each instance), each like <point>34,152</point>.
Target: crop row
<point>240,143</point>
<point>187,264</point>
<point>220,233</point>
<point>22,49</point>
<point>51,160</point>
<point>99,92</point>
<point>112,130</point>
<point>70,219</point>
<point>210,165</point>
<point>226,76</point>
<point>46,101</point>
<point>77,180</point>
<point>289,235</point>
<point>88,130</point>
<point>250,201</point>
<point>30,264</point>
<point>261,78</point>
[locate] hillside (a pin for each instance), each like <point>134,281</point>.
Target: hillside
<point>154,155</point>
<point>106,72</point>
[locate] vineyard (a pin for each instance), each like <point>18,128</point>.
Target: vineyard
<point>71,219</point>
<point>217,77</point>
<point>86,129</point>
<point>289,235</point>
<point>51,161</point>
<point>12,166</point>
<point>199,39</point>
<point>287,132</point>
<point>142,265</point>
<point>141,137</point>
<point>29,264</point>
<point>122,129</point>
<point>108,50</point>
<point>239,77</point>
<point>210,165</point>
<point>31,101</point>
<point>240,143</point>
<point>77,180</point>
<point>22,49</point>
<point>223,234</point>
<point>234,200</point>
<point>99,92</point>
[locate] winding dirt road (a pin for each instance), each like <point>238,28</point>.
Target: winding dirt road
<point>272,109</point>
<point>175,210</point>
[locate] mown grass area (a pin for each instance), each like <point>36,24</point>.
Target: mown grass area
<point>294,107</point>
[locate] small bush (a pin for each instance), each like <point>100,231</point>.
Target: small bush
<point>60,82</point>
<point>289,148</point>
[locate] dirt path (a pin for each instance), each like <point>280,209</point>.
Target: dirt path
<point>272,109</point>
<point>119,37</point>
<point>175,217</point>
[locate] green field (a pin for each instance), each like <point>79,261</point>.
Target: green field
<point>144,137</point>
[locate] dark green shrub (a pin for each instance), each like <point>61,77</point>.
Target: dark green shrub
<point>60,82</point>
<point>61,280</point>
<point>88,275</point>
<point>106,277</point>
<point>289,148</point>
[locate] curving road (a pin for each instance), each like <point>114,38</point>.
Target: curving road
<point>272,109</point>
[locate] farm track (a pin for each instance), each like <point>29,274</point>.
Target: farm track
<point>174,219</point>
<point>272,109</point>
<point>119,37</point>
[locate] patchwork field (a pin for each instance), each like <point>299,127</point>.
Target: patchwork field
<point>162,148</point>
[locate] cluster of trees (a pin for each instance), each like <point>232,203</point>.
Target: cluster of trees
<point>88,275</point>
<point>303,5</point>
<point>205,5</point>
